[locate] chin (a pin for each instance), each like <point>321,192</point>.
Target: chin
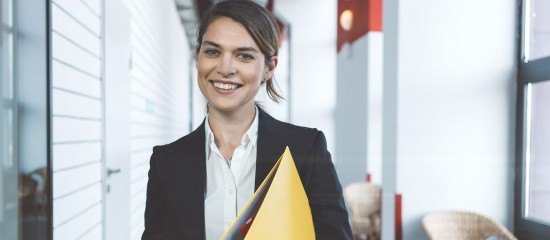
<point>222,107</point>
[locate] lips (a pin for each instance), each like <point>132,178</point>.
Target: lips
<point>225,86</point>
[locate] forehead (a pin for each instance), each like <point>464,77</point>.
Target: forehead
<point>228,33</point>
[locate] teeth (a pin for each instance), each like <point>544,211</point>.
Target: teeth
<point>225,86</point>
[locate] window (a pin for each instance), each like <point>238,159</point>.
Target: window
<point>537,164</point>
<point>532,211</point>
<point>23,126</point>
<point>8,169</point>
<point>536,29</point>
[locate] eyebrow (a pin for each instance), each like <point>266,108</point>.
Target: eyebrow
<point>241,49</point>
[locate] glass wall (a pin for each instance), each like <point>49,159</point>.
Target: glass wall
<point>537,35</point>
<point>538,153</point>
<point>532,212</point>
<point>30,68</point>
<point>9,217</point>
<point>24,203</point>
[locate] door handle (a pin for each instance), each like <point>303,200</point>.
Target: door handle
<point>112,171</point>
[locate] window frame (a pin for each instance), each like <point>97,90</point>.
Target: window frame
<point>528,72</point>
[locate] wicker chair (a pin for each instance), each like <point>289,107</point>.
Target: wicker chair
<point>41,174</point>
<point>459,225</point>
<point>363,201</point>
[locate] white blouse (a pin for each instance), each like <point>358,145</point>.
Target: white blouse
<point>228,189</point>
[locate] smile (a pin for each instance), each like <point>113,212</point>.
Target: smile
<point>225,86</point>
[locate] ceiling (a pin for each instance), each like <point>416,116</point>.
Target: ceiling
<point>188,12</point>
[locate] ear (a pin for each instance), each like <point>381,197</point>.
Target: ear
<point>271,65</point>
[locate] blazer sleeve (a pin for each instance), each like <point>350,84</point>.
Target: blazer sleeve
<point>329,212</point>
<point>162,215</point>
<point>155,212</point>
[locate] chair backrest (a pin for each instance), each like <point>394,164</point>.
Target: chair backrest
<point>40,174</point>
<point>362,198</point>
<point>363,202</point>
<point>28,187</point>
<point>463,225</point>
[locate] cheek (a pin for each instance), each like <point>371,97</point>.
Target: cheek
<point>255,74</point>
<point>202,75</point>
<point>204,67</point>
<point>201,69</point>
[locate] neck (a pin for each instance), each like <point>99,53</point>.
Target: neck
<point>230,127</point>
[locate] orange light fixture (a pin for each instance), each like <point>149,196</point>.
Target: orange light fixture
<point>346,20</point>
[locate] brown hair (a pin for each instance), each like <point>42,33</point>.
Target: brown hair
<point>259,23</point>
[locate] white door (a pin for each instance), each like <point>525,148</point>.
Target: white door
<point>117,120</point>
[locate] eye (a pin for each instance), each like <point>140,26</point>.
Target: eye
<point>211,52</point>
<point>244,56</point>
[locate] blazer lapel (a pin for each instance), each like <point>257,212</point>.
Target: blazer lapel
<point>271,136</point>
<point>188,176</point>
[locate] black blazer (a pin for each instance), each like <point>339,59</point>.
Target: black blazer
<point>177,181</point>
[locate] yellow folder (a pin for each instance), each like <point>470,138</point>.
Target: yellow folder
<point>279,209</point>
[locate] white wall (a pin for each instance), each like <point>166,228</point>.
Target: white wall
<point>351,111</point>
<point>359,109</point>
<point>77,131</point>
<point>279,110</point>
<point>374,105</point>
<point>156,97</point>
<point>451,72</point>
<point>159,90</point>
<point>313,71</point>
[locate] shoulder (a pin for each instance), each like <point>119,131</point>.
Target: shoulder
<point>273,132</point>
<point>286,129</point>
<point>193,140</point>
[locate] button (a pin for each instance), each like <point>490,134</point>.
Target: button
<point>230,191</point>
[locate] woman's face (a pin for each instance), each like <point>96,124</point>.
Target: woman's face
<point>230,66</point>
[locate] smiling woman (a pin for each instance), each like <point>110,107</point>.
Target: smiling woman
<point>199,183</point>
<point>231,67</point>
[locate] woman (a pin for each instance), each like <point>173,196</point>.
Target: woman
<point>199,183</point>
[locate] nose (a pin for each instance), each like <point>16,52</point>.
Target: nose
<point>226,66</point>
